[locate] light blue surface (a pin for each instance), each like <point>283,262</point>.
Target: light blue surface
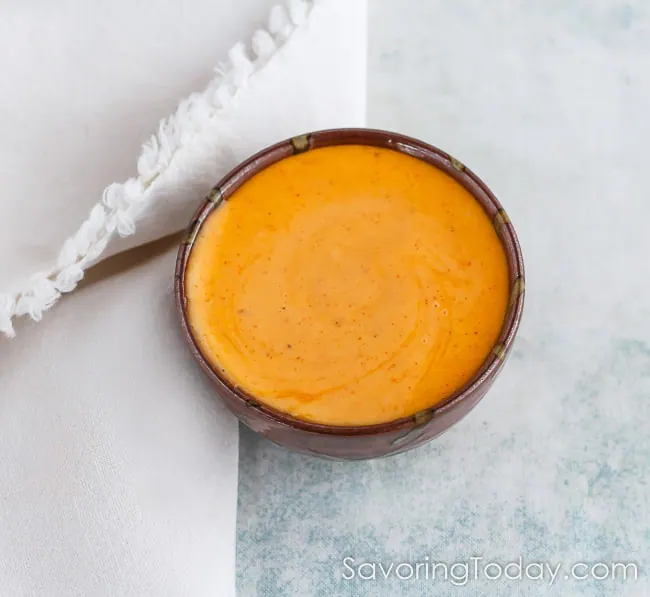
<point>548,102</point>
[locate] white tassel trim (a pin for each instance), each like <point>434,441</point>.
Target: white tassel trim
<point>122,204</point>
<point>7,311</point>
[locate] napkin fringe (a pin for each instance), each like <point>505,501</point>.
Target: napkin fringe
<point>123,204</point>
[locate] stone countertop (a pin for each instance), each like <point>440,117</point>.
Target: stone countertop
<point>548,103</point>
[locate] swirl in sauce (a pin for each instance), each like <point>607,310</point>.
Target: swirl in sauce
<point>348,285</point>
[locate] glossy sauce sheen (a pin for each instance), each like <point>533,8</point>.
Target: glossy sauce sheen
<point>348,285</point>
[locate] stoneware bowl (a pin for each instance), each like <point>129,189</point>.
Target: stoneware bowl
<point>372,441</point>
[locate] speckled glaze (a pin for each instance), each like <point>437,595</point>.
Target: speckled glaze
<point>372,441</point>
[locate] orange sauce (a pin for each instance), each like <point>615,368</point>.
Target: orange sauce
<point>348,285</point>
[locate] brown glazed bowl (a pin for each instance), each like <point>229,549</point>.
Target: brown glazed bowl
<point>372,441</point>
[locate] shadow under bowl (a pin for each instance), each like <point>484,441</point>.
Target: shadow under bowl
<point>368,441</point>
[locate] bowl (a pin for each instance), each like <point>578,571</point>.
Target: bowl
<point>369,441</point>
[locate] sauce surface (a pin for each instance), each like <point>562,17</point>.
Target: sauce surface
<point>348,285</point>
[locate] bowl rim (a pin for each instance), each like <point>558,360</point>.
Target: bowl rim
<point>377,138</point>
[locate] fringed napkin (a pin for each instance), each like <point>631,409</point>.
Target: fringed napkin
<point>304,71</point>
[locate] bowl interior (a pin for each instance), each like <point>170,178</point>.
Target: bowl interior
<point>413,147</point>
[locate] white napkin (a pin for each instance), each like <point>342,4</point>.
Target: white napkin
<point>305,71</point>
<point>118,470</point>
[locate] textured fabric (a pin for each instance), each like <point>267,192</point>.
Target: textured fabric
<point>85,85</point>
<point>548,103</point>
<point>285,79</point>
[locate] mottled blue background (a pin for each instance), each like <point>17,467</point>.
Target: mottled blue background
<point>548,102</point>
